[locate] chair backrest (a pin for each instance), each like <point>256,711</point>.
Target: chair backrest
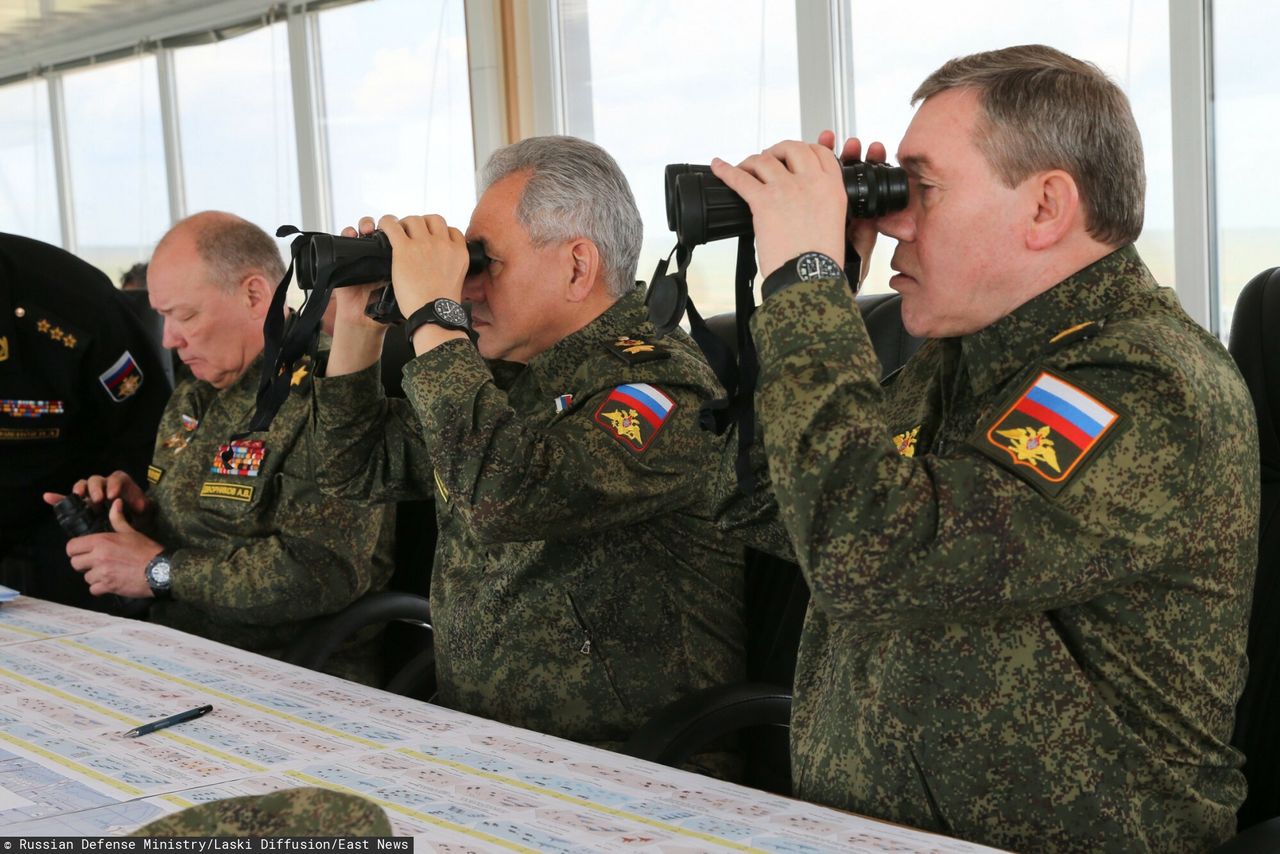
<point>1255,345</point>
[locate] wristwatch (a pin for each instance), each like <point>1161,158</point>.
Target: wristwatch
<point>443,312</point>
<point>808,267</point>
<point>157,575</point>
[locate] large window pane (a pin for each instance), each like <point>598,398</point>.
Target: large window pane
<point>28,186</point>
<point>1246,80</point>
<point>236,121</point>
<point>1129,41</point>
<point>117,162</point>
<point>398,109</point>
<point>667,84</point>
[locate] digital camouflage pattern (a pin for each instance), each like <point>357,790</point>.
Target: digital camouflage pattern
<point>579,581</point>
<point>1027,667</point>
<point>259,555</point>
<point>292,812</point>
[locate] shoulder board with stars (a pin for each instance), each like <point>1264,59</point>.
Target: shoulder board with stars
<point>633,414</point>
<point>1052,430</point>
<point>635,351</point>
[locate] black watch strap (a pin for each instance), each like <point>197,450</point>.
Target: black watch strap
<point>429,314</point>
<point>805,267</point>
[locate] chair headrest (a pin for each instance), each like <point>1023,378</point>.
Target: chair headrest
<point>1255,345</point>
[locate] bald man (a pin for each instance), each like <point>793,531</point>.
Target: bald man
<point>231,538</point>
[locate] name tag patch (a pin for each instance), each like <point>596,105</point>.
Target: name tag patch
<point>228,491</point>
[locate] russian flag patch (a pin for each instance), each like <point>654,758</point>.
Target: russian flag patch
<point>633,414</point>
<point>1049,431</point>
<point>122,379</point>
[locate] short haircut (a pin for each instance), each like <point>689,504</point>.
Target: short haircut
<point>233,248</point>
<point>575,190</point>
<point>135,277</point>
<point>1043,109</point>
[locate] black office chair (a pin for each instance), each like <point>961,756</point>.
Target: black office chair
<point>776,598</point>
<point>407,651</point>
<point>1255,345</point>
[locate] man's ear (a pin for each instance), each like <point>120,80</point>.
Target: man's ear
<point>584,258</point>
<point>257,293</point>
<point>1056,200</point>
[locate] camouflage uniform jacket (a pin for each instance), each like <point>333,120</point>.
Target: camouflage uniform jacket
<point>1028,637</point>
<point>258,557</point>
<point>579,581</point>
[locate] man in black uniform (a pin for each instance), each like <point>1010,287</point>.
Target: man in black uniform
<point>80,391</point>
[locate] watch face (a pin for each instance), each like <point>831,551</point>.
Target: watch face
<point>451,312</point>
<point>158,574</point>
<point>815,265</point>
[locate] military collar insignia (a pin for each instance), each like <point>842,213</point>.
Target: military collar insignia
<point>239,458</point>
<point>123,379</point>
<point>1052,429</point>
<point>298,376</point>
<point>31,408</point>
<point>634,414</point>
<point>905,441</point>
<point>179,439</point>
<point>635,351</point>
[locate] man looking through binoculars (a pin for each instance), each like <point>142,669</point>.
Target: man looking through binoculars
<point>579,583</point>
<point>1021,631</point>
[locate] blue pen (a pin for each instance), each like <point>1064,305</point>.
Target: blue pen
<point>180,717</point>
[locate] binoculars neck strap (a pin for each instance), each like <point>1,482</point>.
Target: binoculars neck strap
<point>286,343</point>
<point>669,301</point>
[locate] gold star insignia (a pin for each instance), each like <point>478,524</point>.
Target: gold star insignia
<point>69,340</point>
<point>43,325</point>
<point>56,334</point>
<point>298,376</point>
<point>633,345</point>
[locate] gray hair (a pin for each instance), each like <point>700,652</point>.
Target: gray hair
<point>233,248</point>
<point>575,190</point>
<point>1043,109</point>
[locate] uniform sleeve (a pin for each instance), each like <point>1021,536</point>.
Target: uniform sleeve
<point>888,539</point>
<point>373,446</point>
<point>512,480</point>
<point>751,518</point>
<point>126,388</point>
<point>310,554</point>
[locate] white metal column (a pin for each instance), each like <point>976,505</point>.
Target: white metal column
<point>1194,221</point>
<point>62,162</point>
<point>484,61</point>
<point>549,115</point>
<point>172,135</point>
<point>825,57</point>
<point>308,120</point>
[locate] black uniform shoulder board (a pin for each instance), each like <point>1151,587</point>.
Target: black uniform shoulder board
<point>1079,332</point>
<point>635,351</point>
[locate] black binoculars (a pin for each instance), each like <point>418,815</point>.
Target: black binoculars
<point>360,261</point>
<point>701,208</point>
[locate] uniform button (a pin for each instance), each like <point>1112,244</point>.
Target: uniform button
<point>19,312</point>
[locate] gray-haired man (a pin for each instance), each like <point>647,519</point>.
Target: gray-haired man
<point>579,583</point>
